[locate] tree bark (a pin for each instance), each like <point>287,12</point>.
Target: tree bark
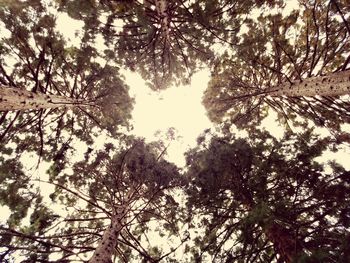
<point>20,99</point>
<point>161,8</point>
<point>335,84</point>
<point>105,249</point>
<point>285,244</point>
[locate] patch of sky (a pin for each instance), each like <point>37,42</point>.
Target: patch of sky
<point>178,107</point>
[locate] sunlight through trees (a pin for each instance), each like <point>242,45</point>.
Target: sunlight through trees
<point>100,98</point>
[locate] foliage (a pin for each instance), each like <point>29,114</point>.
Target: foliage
<point>36,57</point>
<point>254,199</point>
<point>275,49</point>
<point>166,45</point>
<point>19,193</point>
<point>134,174</point>
<point>262,199</point>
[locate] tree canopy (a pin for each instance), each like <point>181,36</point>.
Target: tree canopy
<point>78,186</point>
<point>263,199</point>
<point>281,50</point>
<point>135,175</point>
<point>166,41</point>
<point>36,58</point>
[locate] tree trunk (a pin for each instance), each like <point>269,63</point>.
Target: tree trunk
<point>161,8</point>
<point>284,242</point>
<point>335,84</point>
<point>19,99</point>
<point>105,249</point>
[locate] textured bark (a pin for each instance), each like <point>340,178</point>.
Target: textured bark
<point>161,8</point>
<point>19,99</point>
<point>335,84</point>
<point>285,243</point>
<point>105,249</point>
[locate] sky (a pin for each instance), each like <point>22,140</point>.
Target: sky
<point>155,112</point>
<point>177,107</point>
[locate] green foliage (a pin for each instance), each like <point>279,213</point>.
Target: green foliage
<point>77,9</point>
<point>260,193</point>
<point>166,48</point>
<point>275,49</point>
<point>13,186</point>
<point>135,175</point>
<point>256,199</point>
<point>39,59</point>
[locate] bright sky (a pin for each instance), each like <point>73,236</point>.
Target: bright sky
<point>178,107</point>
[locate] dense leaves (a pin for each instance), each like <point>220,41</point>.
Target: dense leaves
<point>135,175</point>
<point>166,41</point>
<point>37,58</point>
<point>283,48</point>
<point>239,199</point>
<point>263,199</point>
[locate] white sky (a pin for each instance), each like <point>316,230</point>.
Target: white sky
<point>178,107</point>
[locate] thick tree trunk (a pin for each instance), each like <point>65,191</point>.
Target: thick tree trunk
<point>19,99</point>
<point>161,8</point>
<point>105,249</point>
<point>335,84</point>
<point>285,244</point>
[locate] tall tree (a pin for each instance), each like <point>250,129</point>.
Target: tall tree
<point>21,196</point>
<point>166,41</point>
<point>20,99</point>
<point>112,197</point>
<point>262,199</point>
<point>59,90</point>
<point>295,64</point>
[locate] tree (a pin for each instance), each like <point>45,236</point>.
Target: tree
<point>111,197</point>
<point>20,195</point>
<point>295,74</point>
<point>61,91</point>
<point>263,200</point>
<point>21,99</point>
<point>166,41</point>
